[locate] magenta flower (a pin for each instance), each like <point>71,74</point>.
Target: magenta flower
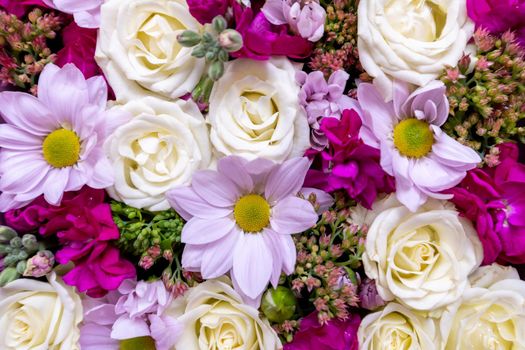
<point>498,16</point>
<point>334,335</point>
<point>424,160</point>
<point>20,7</point>
<point>240,220</point>
<point>206,10</point>
<point>79,49</point>
<point>85,12</point>
<point>53,144</point>
<point>306,18</point>
<point>85,228</point>
<point>348,163</point>
<point>321,99</point>
<point>494,200</point>
<point>262,39</point>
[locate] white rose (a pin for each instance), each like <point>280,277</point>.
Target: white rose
<point>489,317</point>
<point>138,51</point>
<point>36,315</point>
<point>215,317</point>
<point>411,40</point>
<point>255,111</point>
<point>422,259</point>
<point>160,148</point>
<point>398,328</point>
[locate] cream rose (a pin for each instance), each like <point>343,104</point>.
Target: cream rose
<point>138,51</point>
<point>411,40</point>
<point>215,317</point>
<point>158,149</point>
<point>255,111</point>
<point>398,328</point>
<point>36,315</point>
<point>422,259</point>
<point>491,315</point>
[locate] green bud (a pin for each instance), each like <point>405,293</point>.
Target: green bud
<point>11,260</point>
<point>16,242</point>
<point>216,70</point>
<point>189,38</point>
<point>211,56</point>
<point>230,40</point>
<point>143,343</point>
<point>279,305</point>
<point>21,267</point>
<point>8,275</point>
<point>219,23</point>
<point>223,56</point>
<point>199,51</point>
<point>6,234</point>
<point>29,242</point>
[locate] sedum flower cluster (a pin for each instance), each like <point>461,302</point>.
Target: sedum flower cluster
<point>487,101</point>
<point>338,49</point>
<point>24,49</point>
<point>327,257</point>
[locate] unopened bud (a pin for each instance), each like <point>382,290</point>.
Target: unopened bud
<point>189,38</point>
<point>219,23</point>
<point>40,264</point>
<point>8,275</point>
<point>216,70</point>
<point>230,40</point>
<point>279,304</point>
<point>29,242</point>
<point>7,234</point>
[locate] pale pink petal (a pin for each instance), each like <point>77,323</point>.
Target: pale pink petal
<point>253,302</point>
<point>272,241</point>
<point>293,215</point>
<point>273,11</point>
<point>252,264</point>
<point>409,195</point>
<point>192,257</point>
<point>55,184</point>
<point>64,91</point>
<point>428,173</point>
<point>378,116</point>
<point>189,204</point>
<point>453,154</point>
<point>165,331</point>
<point>27,113</point>
<point>8,202</point>
<point>122,327</point>
<point>401,93</point>
<point>14,138</point>
<point>22,172</point>
<point>259,169</point>
<point>286,179</point>
<point>202,231</point>
<point>289,253</point>
<point>215,188</point>
<point>324,200</point>
<point>102,176</point>
<point>217,259</point>
<point>98,91</point>
<point>234,168</point>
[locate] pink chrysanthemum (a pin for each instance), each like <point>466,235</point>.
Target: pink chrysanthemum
<point>53,143</point>
<point>422,158</point>
<point>240,220</point>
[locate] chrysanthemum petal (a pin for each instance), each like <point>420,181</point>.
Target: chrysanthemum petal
<point>188,204</point>
<point>202,231</point>
<point>217,258</point>
<point>286,179</point>
<point>215,188</point>
<point>293,215</point>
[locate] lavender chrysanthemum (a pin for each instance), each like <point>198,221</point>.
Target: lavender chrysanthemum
<point>422,158</point>
<point>53,143</point>
<point>240,220</point>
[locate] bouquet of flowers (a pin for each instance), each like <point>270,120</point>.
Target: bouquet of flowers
<point>262,174</point>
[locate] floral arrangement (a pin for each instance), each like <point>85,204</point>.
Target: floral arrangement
<point>262,174</point>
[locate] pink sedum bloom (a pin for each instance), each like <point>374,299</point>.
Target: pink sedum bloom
<point>85,12</point>
<point>305,17</point>
<point>53,144</point>
<point>240,220</point>
<point>422,158</point>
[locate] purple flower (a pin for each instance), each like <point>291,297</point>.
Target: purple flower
<point>40,264</point>
<point>498,16</point>
<point>261,39</point>
<point>493,199</point>
<point>240,220</point>
<point>348,163</point>
<point>53,144</point>
<point>368,295</point>
<point>334,335</point>
<point>323,99</point>
<point>424,160</point>
<point>306,18</point>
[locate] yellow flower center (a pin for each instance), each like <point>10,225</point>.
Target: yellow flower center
<point>252,213</point>
<point>413,138</point>
<point>142,343</point>
<point>61,148</point>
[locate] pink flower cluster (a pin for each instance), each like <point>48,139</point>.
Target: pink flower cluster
<point>348,163</point>
<point>85,229</point>
<point>494,200</point>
